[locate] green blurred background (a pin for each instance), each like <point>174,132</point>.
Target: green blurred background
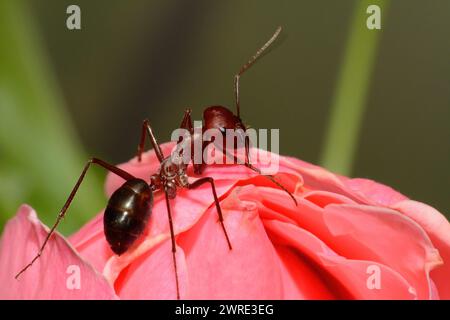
<point>361,102</point>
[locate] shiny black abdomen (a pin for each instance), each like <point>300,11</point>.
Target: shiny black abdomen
<point>127,214</point>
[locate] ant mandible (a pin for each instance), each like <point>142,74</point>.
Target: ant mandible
<point>130,206</point>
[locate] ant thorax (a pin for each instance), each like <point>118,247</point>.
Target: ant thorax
<point>171,174</point>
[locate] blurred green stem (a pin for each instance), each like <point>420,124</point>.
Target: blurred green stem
<point>350,95</point>
<point>40,157</point>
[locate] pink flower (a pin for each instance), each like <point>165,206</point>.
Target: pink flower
<point>347,238</point>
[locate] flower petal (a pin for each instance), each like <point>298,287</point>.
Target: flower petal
<point>375,193</point>
<point>249,271</point>
<point>438,229</point>
<point>353,231</point>
<point>152,275</point>
<point>55,274</point>
<point>343,278</point>
<point>384,235</point>
<point>363,191</point>
<point>91,244</point>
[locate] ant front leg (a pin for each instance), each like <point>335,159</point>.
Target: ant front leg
<point>174,247</point>
<point>252,167</point>
<point>186,124</point>
<point>147,129</point>
<point>210,180</point>
<point>121,173</point>
<point>267,176</point>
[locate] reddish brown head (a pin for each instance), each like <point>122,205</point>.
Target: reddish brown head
<point>219,117</point>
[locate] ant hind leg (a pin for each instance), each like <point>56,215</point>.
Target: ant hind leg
<point>121,173</point>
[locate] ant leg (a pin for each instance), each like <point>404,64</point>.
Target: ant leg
<point>252,167</point>
<point>210,180</point>
<point>186,123</point>
<point>174,248</point>
<point>270,177</point>
<point>248,65</point>
<point>147,129</point>
<point>121,173</point>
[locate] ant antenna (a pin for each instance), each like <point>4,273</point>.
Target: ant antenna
<point>250,62</point>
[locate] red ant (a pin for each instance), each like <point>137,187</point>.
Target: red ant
<point>130,206</point>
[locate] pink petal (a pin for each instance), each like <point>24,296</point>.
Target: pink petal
<point>249,271</point>
<point>363,191</point>
<point>309,213</point>
<point>91,244</point>
<point>50,277</point>
<point>300,278</point>
<point>438,229</point>
<point>341,278</point>
<point>318,178</point>
<point>152,275</point>
<point>366,191</point>
<point>385,236</point>
<point>338,222</point>
<point>375,193</point>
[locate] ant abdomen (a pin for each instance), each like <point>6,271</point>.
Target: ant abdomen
<point>127,214</point>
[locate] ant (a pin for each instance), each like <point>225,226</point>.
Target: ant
<point>130,206</point>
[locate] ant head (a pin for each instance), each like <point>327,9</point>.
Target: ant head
<point>219,117</point>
